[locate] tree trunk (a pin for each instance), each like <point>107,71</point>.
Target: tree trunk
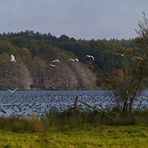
<point>125,106</point>
<point>131,106</point>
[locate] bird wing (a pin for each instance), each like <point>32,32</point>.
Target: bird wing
<point>132,58</point>
<point>15,89</point>
<point>52,65</point>
<point>71,60</point>
<point>93,58</point>
<point>121,54</point>
<point>87,56</point>
<point>140,58</point>
<point>10,90</point>
<point>77,60</point>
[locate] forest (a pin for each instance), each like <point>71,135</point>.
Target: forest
<point>35,53</point>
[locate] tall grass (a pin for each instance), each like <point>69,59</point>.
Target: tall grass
<point>73,119</point>
<point>21,125</point>
<point>81,119</point>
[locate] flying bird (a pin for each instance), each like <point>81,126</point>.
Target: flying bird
<point>13,58</point>
<point>73,60</point>
<point>56,61</point>
<point>90,56</point>
<point>136,58</point>
<point>12,91</point>
<point>121,54</point>
<point>52,64</point>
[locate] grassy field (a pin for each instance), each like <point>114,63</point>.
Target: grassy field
<point>104,136</point>
<point>76,129</point>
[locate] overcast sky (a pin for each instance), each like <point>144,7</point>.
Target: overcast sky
<point>89,19</point>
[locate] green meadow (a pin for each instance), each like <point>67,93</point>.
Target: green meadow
<point>103,136</point>
<point>76,129</point>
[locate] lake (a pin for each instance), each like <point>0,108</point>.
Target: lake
<point>24,103</point>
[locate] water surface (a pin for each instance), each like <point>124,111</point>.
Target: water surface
<point>24,103</point>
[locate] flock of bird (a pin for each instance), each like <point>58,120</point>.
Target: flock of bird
<point>26,103</point>
<point>56,61</point>
<point>13,59</point>
<point>52,64</point>
<point>134,58</point>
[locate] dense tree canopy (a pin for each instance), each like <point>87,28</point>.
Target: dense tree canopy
<point>39,48</point>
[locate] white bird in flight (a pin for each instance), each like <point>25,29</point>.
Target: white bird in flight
<point>136,58</point>
<point>56,61</point>
<point>90,56</point>
<point>12,91</point>
<point>121,54</point>
<point>73,60</point>
<point>13,58</point>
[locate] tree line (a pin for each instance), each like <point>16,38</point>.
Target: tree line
<point>36,50</point>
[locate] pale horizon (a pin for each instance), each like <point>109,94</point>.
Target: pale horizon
<point>83,19</point>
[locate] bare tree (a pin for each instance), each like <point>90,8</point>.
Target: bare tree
<point>142,32</point>
<point>128,83</point>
